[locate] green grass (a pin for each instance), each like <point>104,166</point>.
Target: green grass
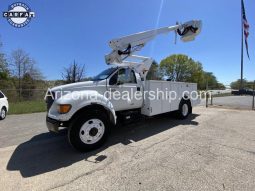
<point>27,107</point>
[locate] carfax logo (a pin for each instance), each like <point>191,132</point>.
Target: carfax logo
<point>18,14</point>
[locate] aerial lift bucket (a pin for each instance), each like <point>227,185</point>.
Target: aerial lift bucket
<point>190,30</point>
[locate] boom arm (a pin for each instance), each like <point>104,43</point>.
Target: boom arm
<point>123,48</point>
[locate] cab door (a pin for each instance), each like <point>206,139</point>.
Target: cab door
<point>122,87</point>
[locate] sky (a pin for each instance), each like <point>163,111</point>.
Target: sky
<point>64,31</point>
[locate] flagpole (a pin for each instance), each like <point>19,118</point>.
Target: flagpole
<point>241,85</point>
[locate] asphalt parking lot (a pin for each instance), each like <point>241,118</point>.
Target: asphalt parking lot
<point>212,150</point>
<point>233,102</point>
<point>237,102</point>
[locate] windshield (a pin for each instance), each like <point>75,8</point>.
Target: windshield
<point>105,74</point>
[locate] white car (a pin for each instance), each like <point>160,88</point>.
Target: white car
<point>4,106</point>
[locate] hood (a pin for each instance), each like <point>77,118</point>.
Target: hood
<point>79,86</point>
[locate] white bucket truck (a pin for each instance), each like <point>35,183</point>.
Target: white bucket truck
<point>121,92</point>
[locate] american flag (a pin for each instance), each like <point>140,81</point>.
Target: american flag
<point>246,27</point>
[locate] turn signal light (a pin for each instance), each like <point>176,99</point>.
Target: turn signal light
<point>64,108</point>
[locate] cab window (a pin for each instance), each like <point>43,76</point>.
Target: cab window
<point>126,75</point>
<point>123,76</point>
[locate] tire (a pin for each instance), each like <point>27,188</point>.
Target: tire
<point>88,132</point>
<point>184,109</point>
<point>3,114</point>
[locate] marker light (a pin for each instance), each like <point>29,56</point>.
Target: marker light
<point>64,108</point>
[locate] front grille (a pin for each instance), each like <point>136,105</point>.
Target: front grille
<point>50,99</point>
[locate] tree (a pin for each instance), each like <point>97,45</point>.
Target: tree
<point>221,86</point>
<point>246,84</point>
<point>23,66</point>
<point>211,80</point>
<point>4,72</point>
<point>197,74</point>
<point>5,80</point>
<point>181,68</point>
<point>153,73</point>
<point>74,73</point>
<point>28,86</point>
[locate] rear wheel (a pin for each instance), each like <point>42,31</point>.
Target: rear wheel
<point>184,109</point>
<point>3,113</point>
<point>88,132</point>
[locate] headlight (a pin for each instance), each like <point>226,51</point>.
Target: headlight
<point>64,108</point>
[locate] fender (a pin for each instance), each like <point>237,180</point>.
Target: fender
<point>80,100</point>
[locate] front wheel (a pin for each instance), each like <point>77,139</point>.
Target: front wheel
<point>88,132</point>
<point>184,109</point>
<point>3,113</point>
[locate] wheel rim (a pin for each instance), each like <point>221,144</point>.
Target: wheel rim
<point>185,109</point>
<point>92,131</point>
<point>3,114</point>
